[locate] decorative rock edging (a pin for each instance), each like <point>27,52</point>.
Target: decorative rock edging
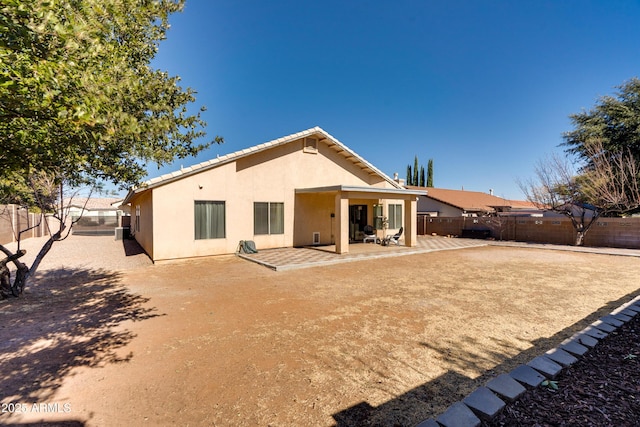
<point>486,402</point>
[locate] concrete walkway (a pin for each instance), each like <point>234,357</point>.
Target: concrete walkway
<point>291,258</point>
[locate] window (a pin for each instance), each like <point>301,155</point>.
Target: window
<point>395,216</point>
<point>378,218</point>
<point>268,218</point>
<point>209,220</point>
<point>137,223</point>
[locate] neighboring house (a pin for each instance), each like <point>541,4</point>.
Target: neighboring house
<point>452,203</point>
<point>303,189</point>
<point>525,208</point>
<point>94,215</point>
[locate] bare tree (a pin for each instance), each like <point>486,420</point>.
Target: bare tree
<point>497,224</point>
<point>610,180</point>
<point>606,185</point>
<point>556,188</point>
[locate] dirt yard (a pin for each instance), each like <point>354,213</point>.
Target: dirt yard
<point>221,341</point>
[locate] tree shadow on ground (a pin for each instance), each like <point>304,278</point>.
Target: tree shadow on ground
<point>66,319</point>
<point>431,399</point>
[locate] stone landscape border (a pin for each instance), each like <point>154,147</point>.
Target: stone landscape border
<point>486,402</point>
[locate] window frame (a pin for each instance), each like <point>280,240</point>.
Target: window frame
<point>378,217</point>
<point>136,227</point>
<point>214,231</point>
<point>395,215</point>
<point>274,221</point>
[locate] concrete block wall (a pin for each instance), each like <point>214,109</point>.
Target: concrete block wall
<point>605,232</point>
<point>13,219</point>
<point>557,231</point>
<point>615,233</point>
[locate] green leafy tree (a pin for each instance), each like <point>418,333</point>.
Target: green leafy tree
<point>409,175</point>
<point>430,173</point>
<point>78,97</point>
<point>415,180</point>
<point>79,100</point>
<point>422,179</point>
<point>614,122</point>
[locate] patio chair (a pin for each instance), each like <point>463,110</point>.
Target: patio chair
<point>370,235</point>
<point>393,238</point>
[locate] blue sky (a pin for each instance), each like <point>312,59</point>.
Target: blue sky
<point>484,88</point>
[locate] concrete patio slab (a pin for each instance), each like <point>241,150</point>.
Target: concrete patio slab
<point>293,258</point>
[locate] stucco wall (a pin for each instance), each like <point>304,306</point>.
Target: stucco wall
<point>426,204</point>
<point>268,176</point>
<point>144,235</point>
<point>314,213</point>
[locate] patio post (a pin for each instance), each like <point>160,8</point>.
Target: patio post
<point>342,223</point>
<point>410,221</point>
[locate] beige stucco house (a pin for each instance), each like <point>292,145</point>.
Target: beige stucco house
<point>303,189</point>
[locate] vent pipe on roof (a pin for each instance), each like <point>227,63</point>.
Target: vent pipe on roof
<point>397,179</point>
<point>491,191</point>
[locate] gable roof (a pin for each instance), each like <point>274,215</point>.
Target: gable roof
<point>318,132</point>
<point>470,201</point>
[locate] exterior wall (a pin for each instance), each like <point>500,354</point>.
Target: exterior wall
<point>606,232</point>
<point>314,213</point>
<point>143,229</point>
<point>317,213</point>
<point>425,204</point>
<point>268,176</point>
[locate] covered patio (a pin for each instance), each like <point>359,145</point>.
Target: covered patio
<point>329,211</point>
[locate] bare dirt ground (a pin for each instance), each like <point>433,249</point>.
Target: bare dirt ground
<point>100,338</point>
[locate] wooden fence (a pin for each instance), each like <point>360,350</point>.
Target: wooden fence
<point>606,232</point>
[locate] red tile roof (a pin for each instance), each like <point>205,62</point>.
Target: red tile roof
<point>473,201</point>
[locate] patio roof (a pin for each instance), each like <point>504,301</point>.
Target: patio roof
<point>366,192</point>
